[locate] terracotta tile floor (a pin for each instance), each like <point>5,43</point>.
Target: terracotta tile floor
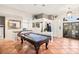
<point>56,46</point>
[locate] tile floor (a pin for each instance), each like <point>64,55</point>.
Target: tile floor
<point>56,46</point>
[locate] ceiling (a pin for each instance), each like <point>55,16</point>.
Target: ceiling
<point>41,8</point>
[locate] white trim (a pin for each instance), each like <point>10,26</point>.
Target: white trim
<point>70,21</point>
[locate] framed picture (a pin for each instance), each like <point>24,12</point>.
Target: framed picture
<point>14,24</point>
<point>36,25</point>
<point>33,25</point>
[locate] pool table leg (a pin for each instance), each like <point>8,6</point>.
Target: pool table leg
<point>21,40</point>
<point>46,45</point>
<point>37,48</point>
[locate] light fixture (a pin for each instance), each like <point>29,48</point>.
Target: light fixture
<point>43,5</point>
<point>69,12</point>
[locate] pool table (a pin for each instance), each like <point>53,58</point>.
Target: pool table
<point>36,39</point>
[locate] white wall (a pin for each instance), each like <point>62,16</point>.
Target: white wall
<point>58,26</point>
<point>11,14</point>
<point>9,34</point>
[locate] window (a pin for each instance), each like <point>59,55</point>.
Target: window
<point>36,25</point>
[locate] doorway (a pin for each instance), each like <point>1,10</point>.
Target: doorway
<point>2,27</point>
